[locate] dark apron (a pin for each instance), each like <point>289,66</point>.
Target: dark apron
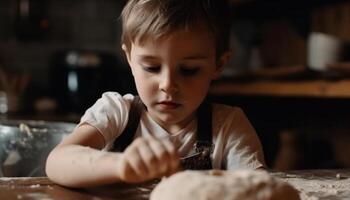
<point>203,147</point>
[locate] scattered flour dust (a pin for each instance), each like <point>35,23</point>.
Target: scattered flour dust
<point>330,189</point>
<point>35,195</point>
<point>35,186</point>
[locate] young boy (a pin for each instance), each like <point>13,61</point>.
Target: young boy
<point>175,48</point>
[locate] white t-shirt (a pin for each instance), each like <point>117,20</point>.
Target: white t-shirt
<point>236,145</point>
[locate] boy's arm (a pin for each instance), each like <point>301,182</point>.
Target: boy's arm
<point>78,161</point>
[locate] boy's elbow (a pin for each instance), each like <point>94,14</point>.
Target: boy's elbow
<point>49,165</point>
<point>52,168</point>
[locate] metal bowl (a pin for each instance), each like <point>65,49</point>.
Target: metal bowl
<point>25,145</point>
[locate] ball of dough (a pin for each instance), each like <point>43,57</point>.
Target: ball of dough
<point>223,185</point>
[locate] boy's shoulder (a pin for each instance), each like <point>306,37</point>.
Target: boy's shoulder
<point>116,95</point>
<point>226,114</point>
<point>110,101</point>
<point>219,108</point>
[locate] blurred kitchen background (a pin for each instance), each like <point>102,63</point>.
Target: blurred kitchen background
<point>58,56</point>
<point>70,51</point>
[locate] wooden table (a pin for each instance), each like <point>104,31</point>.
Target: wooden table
<point>319,184</point>
<point>313,185</point>
<point>41,188</point>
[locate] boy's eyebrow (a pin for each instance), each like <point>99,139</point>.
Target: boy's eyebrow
<point>196,57</point>
<point>147,57</point>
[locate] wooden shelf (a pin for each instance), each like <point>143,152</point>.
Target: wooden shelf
<point>275,9</point>
<point>309,88</point>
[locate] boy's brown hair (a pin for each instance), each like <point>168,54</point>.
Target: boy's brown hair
<point>143,19</point>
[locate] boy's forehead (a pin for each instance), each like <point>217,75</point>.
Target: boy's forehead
<point>180,39</point>
<point>196,31</point>
<point>173,49</point>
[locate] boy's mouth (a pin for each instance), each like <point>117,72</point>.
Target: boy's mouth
<point>168,105</point>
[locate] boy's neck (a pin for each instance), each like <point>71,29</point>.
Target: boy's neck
<point>174,128</point>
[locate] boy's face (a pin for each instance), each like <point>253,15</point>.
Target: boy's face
<point>173,74</point>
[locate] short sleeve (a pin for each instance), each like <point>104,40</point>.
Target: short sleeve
<point>242,146</point>
<point>109,115</point>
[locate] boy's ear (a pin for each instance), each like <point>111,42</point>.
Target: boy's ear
<point>127,52</point>
<point>221,63</point>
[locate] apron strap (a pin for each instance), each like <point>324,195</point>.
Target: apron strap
<point>204,145</point>
<point>204,127</point>
<point>127,136</point>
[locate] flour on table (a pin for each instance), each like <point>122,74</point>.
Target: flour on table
<point>321,189</point>
<point>223,185</point>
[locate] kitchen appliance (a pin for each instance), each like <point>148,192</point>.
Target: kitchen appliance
<point>79,77</point>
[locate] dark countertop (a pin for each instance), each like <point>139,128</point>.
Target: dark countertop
<point>312,184</point>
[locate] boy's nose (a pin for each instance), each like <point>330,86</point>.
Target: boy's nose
<point>168,84</point>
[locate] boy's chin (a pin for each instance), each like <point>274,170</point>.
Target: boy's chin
<point>171,118</point>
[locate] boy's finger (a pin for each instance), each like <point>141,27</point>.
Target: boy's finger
<point>161,153</point>
<point>136,163</point>
<point>169,146</point>
<point>174,157</point>
<point>126,172</point>
<point>149,158</point>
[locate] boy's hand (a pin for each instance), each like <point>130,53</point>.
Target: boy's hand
<point>146,159</point>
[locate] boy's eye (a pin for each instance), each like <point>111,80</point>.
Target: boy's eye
<point>189,71</point>
<point>152,69</point>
